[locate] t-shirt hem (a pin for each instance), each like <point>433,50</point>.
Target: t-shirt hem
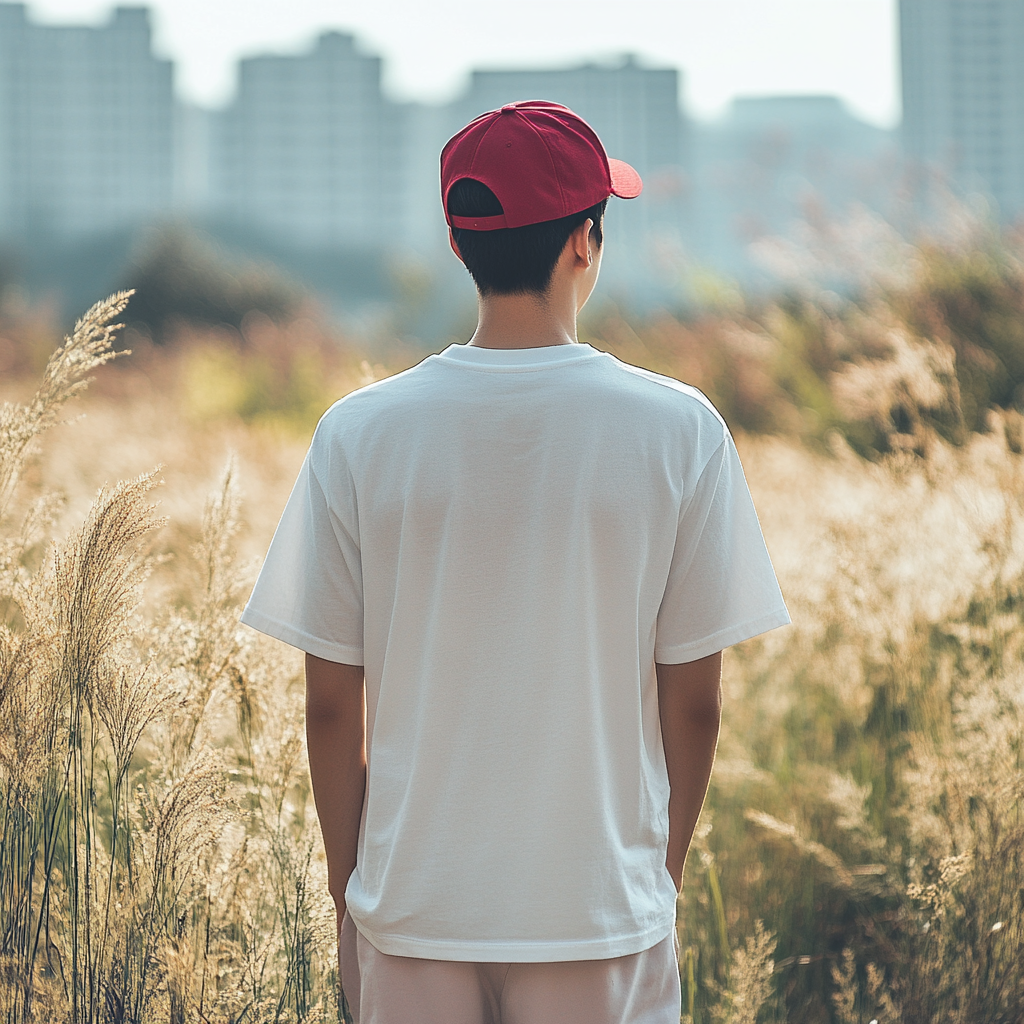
<point>517,952</point>
<point>342,654</point>
<point>678,654</point>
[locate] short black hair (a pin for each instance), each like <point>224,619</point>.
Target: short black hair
<point>512,261</point>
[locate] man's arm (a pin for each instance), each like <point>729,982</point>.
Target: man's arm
<point>690,706</point>
<point>336,740</point>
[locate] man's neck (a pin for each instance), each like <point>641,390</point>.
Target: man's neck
<point>525,321</point>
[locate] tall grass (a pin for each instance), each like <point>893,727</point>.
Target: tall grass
<point>862,851</point>
<point>156,861</point>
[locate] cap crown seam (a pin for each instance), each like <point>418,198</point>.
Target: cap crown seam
<point>554,167</point>
<point>472,163</point>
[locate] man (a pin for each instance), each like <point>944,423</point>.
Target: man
<point>502,542</point>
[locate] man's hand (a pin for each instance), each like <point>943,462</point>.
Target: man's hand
<point>336,740</point>
<point>690,707</point>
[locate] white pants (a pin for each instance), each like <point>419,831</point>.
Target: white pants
<point>381,989</point>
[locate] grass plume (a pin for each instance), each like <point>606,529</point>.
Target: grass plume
<point>89,346</point>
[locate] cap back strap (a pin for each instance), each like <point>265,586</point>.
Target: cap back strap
<point>479,223</point>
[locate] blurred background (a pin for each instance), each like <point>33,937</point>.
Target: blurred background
<point>217,157</point>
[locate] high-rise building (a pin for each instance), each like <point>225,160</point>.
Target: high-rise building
<point>85,126</point>
<point>963,93</point>
<point>310,151</point>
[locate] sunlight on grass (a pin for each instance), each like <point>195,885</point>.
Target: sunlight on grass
<point>861,852</point>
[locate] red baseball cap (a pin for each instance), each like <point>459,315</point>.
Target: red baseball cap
<point>540,159</point>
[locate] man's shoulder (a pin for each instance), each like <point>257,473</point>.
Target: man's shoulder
<point>665,399</point>
<point>366,402</point>
<point>668,390</point>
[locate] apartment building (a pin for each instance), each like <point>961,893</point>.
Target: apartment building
<point>963,94</point>
<point>309,151</point>
<point>85,125</point>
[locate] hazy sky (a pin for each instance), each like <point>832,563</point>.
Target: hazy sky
<point>724,47</point>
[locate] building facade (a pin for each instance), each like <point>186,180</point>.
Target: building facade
<point>85,126</point>
<point>963,94</point>
<point>309,151</point>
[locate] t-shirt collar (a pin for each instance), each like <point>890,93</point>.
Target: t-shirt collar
<point>518,358</point>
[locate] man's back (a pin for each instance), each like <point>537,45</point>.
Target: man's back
<point>491,550</point>
<point>495,535</point>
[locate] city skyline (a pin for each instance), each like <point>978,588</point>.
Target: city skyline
<point>311,155</point>
<point>732,48</point>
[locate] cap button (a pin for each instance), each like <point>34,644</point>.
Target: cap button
<point>509,108</point>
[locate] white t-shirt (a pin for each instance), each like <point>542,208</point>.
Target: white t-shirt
<point>507,540</point>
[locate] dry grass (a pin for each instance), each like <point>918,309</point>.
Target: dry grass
<point>160,858</point>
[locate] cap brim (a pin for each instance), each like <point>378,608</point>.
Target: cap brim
<point>626,183</point>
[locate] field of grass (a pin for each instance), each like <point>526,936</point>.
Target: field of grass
<point>861,856</point>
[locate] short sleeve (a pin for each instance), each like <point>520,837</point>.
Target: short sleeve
<point>721,586</point>
<point>310,591</point>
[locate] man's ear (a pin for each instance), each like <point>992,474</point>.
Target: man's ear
<point>580,242</point>
<point>455,248</point>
